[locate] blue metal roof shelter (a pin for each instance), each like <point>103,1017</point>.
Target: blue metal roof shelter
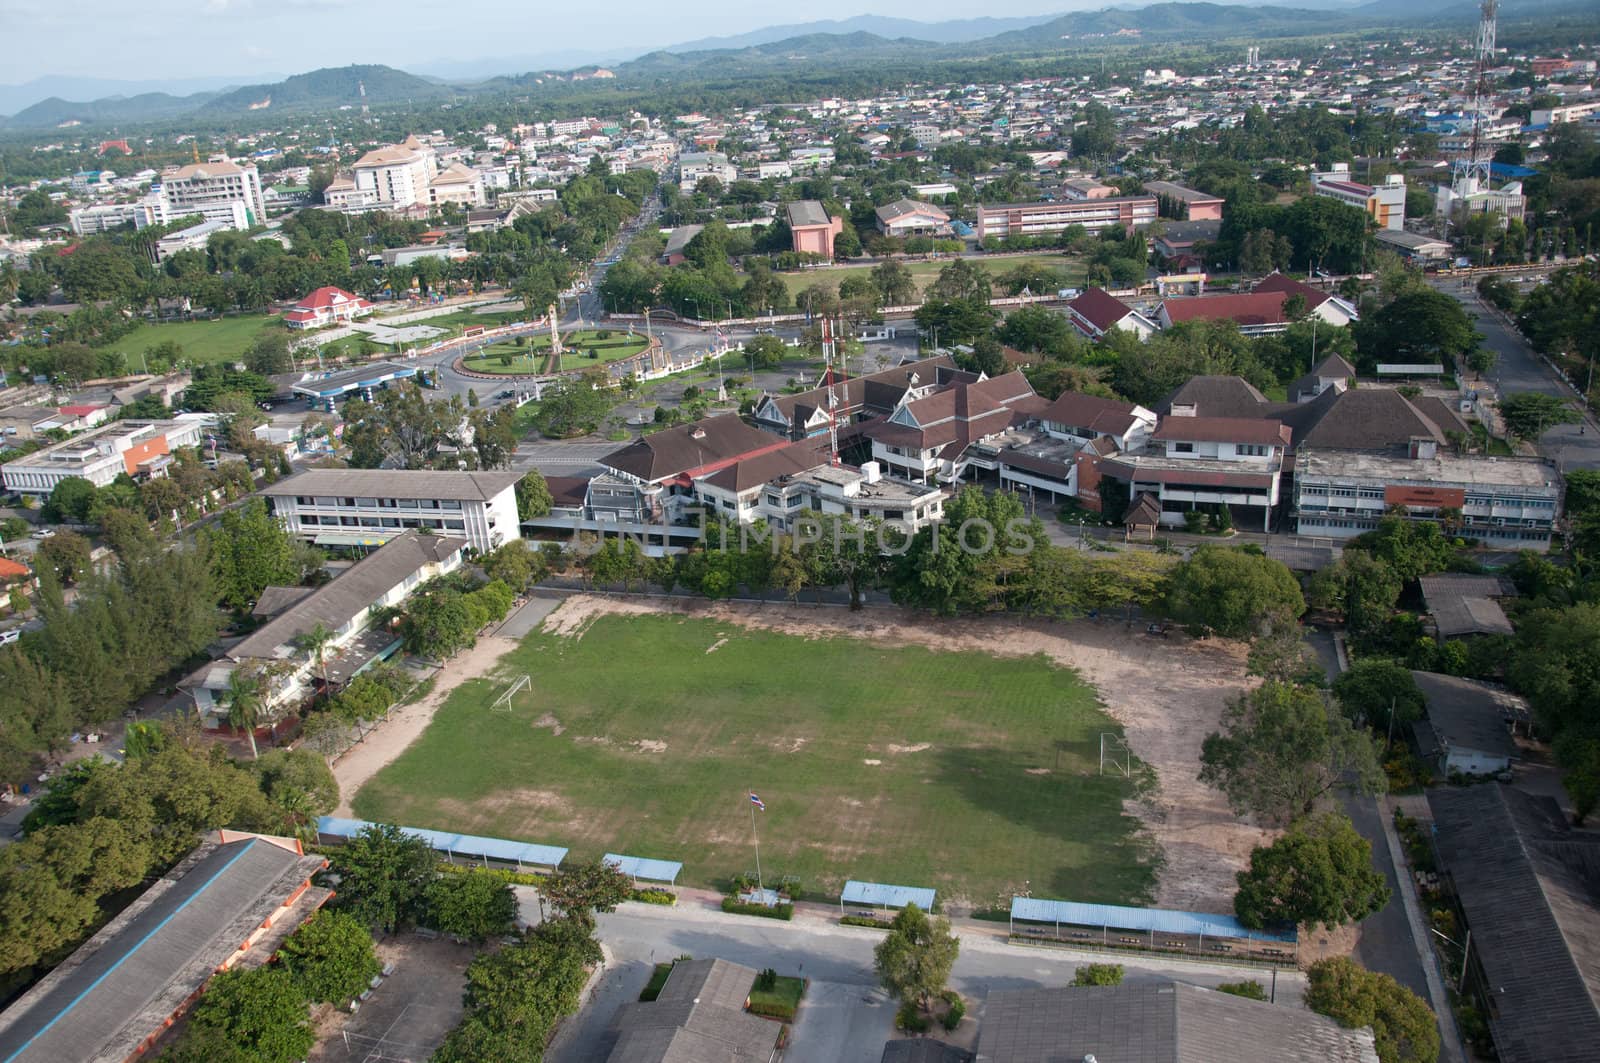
<point>882,895</point>
<point>642,867</point>
<point>453,845</point>
<point>1150,920</point>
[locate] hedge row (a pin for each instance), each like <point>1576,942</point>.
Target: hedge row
<point>865,920</point>
<point>784,911</point>
<point>516,878</point>
<point>652,895</point>
<point>772,1009</point>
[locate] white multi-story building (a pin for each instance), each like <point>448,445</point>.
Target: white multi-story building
<point>141,449</point>
<point>103,217</point>
<point>694,165</point>
<point>369,506</point>
<point>1507,503</point>
<point>458,184</point>
<point>396,176</point>
<point>1385,203</point>
<point>217,191</point>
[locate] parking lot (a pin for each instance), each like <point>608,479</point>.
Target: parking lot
<point>408,1016</point>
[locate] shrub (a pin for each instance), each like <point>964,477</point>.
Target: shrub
<point>957,1009</point>
<point>1098,974</point>
<point>864,920</point>
<point>652,895</point>
<point>784,911</point>
<point>911,1019</point>
<point>1194,522</point>
<point>767,980</point>
<point>1251,990</point>
<point>772,1009</point>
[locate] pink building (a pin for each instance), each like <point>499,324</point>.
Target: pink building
<point>813,231</point>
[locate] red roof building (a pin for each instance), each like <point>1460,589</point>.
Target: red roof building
<point>1256,313</point>
<point>326,306</point>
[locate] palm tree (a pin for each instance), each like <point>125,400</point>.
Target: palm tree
<point>315,643</point>
<point>243,697</point>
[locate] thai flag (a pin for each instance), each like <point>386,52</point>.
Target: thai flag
<point>754,800</point>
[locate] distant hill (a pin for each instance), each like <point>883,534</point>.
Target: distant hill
<point>16,98</point>
<point>148,107</point>
<point>1167,21</point>
<point>954,31</point>
<point>333,87</point>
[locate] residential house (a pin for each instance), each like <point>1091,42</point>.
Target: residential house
<point>911,217</point>
<point>1205,464</point>
<point>1256,313</point>
<point>811,230</point>
<point>1159,1022</point>
<point>698,1015</point>
<point>675,251</point>
<point>1526,882</point>
<point>326,306</point>
<point>279,652</point>
<point>1096,312</point>
<point>366,507</point>
<point>141,449</point>
<point>845,402</point>
<point>1462,605</point>
<point>927,439</point>
<point>1468,726</point>
<point>1180,242</point>
<point>1332,372</point>
<point>1327,307</point>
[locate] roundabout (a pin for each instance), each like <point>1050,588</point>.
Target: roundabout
<point>582,349</point>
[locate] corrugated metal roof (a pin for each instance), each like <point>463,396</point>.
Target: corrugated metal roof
<point>646,868</point>
<point>458,844</point>
<point>882,895</point>
<point>1165,920</point>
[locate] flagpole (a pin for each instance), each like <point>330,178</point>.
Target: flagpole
<point>756,837</point>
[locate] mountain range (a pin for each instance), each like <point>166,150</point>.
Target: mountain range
<point>773,49</point>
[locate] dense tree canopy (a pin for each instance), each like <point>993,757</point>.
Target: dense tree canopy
<point>1319,874</point>
<point>1233,592</point>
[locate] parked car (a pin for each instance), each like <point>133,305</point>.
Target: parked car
<point>44,533</point>
<point>11,635</point>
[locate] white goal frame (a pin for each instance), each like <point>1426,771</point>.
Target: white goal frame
<point>503,702</point>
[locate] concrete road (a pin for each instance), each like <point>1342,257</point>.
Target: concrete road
<point>1518,368</point>
<point>851,1019</point>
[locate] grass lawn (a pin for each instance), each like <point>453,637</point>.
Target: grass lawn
<point>658,978</point>
<point>222,340</point>
<point>531,358</point>
<point>784,995</point>
<point>961,771</point>
<point>463,318</point>
<point>1069,266</point>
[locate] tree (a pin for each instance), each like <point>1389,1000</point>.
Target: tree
<point>1233,592</point>
<point>961,282</point>
<point>765,352</point>
<point>269,353</point>
<point>1530,414</point>
<point>1093,974</point>
<point>533,496</point>
<point>914,961</point>
<point>330,957</point>
<point>1420,325</point>
<point>1402,1024</point>
<point>65,555</point>
<point>438,622</point>
<point>70,501</point>
<point>383,876</point>
<point>261,1011</point>
<point>471,905</point>
<point>895,283</point>
<point>1379,693</point>
<point>299,782</point>
<point>1281,749</point>
<point>580,890</point>
<point>250,551</point>
<point>315,643</point>
<point>245,701</point>
<point>1319,873</point>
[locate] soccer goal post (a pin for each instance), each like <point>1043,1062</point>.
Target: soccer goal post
<point>503,702</point>
<point>1114,750</point>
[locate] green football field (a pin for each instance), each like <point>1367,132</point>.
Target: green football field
<point>972,774</point>
<point>220,340</point>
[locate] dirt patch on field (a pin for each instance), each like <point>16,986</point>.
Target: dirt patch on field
<point>918,748</point>
<point>390,738</point>
<point>548,720</point>
<point>650,745</point>
<point>1167,694</point>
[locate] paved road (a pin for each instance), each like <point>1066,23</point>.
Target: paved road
<point>849,1018</point>
<point>1518,368</point>
<point>1384,942</point>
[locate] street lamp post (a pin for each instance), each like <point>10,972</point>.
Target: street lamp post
<point>1466,953</point>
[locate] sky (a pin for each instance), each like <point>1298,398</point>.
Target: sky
<point>242,39</point>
